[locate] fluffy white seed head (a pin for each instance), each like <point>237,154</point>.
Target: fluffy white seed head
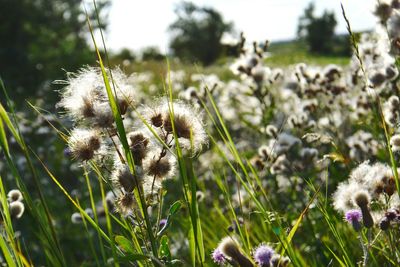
<point>395,142</point>
<point>123,179</point>
<point>362,198</point>
<point>159,164</point>
<point>16,209</point>
<point>229,247</point>
<point>83,143</point>
<point>343,196</point>
<point>14,195</point>
<point>85,96</point>
<point>76,218</point>
<point>186,122</point>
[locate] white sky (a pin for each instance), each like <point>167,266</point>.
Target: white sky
<point>136,24</point>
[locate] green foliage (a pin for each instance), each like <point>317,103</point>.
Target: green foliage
<point>39,41</point>
<point>152,53</point>
<point>317,32</point>
<point>288,53</point>
<point>124,54</point>
<point>197,33</point>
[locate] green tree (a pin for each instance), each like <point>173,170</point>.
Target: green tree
<point>152,53</point>
<point>40,39</point>
<point>197,33</point>
<point>124,54</point>
<point>317,32</point>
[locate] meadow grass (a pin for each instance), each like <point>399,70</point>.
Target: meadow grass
<point>227,183</point>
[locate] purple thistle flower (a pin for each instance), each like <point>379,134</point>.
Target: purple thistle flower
<point>263,255</point>
<point>353,215</point>
<point>218,257</point>
<point>354,218</point>
<point>67,152</point>
<point>163,222</point>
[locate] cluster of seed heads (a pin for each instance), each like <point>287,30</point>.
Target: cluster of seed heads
<point>367,185</point>
<point>228,251</point>
<point>152,132</point>
<point>15,205</point>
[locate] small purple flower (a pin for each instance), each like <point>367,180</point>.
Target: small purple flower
<point>354,217</point>
<point>218,257</point>
<point>67,152</point>
<point>263,255</point>
<point>163,222</point>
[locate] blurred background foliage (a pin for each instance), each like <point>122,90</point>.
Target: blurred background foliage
<point>40,39</point>
<point>43,39</point>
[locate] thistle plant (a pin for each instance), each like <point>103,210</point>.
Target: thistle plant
<point>152,133</point>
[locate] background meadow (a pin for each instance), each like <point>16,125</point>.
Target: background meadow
<point>220,151</point>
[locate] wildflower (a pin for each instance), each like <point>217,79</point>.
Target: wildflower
<point>390,110</point>
<point>362,199</point>
<point>230,249</point>
<point>257,161</point>
<point>85,96</point>
<point>16,209</point>
<point>392,214</point>
<point>359,174</point>
<point>67,152</point>
<point>395,142</point>
<point>83,91</point>
<point>354,218</point>
<point>162,223</point>
<point>384,224</point>
<point>271,131</point>
<point>391,73</point>
<point>102,115</point>
<point>138,143</point>
<point>200,196</point>
<point>383,11</point>
<point>343,196</point>
<point>218,257</point>
<point>331,72</point>
<point>262,255</point>
<point>394,101</point>
<point>157,120</point>
<point>14,195</point>
<point>267,152</point>
<point>124,179</point>
<point>159,165</point>
<point>377,78</point>
<point>279,261</point>
<point>126,203</point>
<point>187,123</point>
<point>84,143</point>
<point>76,218</point>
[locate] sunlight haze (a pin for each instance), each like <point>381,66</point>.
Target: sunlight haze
<point>138,24</point>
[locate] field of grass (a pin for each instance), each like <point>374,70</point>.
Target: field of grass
<point>268,159</point>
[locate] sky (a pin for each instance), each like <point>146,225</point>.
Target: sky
<point>137,24</point>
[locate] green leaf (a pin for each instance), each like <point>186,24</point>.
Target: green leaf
<point>164,248</point>
<point>192,246</point>
<point>125,244</point>
<point>175,207</point>
<point>4,116</point>
<point>133,257</point>
<point>3,137</point>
